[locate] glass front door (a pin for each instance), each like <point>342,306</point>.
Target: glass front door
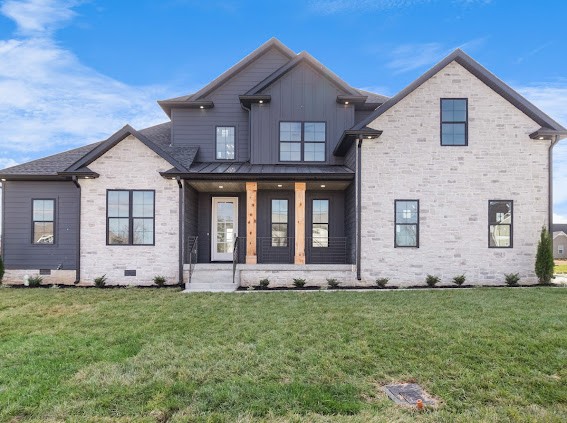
<point>224,227</point>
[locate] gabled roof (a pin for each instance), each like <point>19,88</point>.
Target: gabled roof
<point>559,227</point>
<point>47,166</point>
<point>303,57</point>
<point>481,73</point>
<point>225,76</point>
<point>560,233</point>
<point>103,147</point>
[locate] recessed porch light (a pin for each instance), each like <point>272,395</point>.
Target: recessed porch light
<point>346,102</point>
<point>221,186</point>
<point>323,185</point>
<point>260,101</point>
<point>3,180</point>
<point>541,138</point>
<point>369,137</point>
<point>279,185</point>
<point>201,107</point>
<point>87,177</point>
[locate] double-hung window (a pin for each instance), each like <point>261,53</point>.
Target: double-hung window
<point>407,223</point>
<point>43,220</point>
<point>320,223</point>
<point>500,229</point>
<point>454,121</point>
<point>302,141</point>
<point>279,222</point>
<point>225,142</point>
<point>130,217</point>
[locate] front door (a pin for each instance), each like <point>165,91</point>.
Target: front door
<point>225,227</point>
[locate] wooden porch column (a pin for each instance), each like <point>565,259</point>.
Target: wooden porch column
<point>299,223</point>
<point>251,193</point>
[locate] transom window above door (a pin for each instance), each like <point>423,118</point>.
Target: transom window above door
<point>302,141</point>
<point>225,142</point>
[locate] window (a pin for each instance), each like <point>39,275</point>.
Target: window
<point>43,221</point>
<point>561,249</point>
<point>454,121</point>
<point>302,141</point>
<point>500,224</point>
<point>407,223</point>
<point>225,142</point>
<point>320,223</point>
<point>130,217</point>
<point>279,223</point>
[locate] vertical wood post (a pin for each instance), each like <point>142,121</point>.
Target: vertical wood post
<point>299,223</point>
<point>251,201</point>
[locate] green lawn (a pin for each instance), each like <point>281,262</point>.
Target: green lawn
<point>158,355</point>
<point>561,268</point>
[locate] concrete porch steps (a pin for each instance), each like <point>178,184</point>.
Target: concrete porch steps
<point>210,277</point>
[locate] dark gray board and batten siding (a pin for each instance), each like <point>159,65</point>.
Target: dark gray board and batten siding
<point>197,127</point>
<point>303,94</point>
<point>19,252</point>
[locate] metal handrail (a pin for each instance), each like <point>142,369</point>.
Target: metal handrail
<point>234,259</point>
<point>192,256</point>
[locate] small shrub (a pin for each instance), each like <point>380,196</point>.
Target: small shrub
<point>264,283</point>
<point>333,283</point>
<point>34,281</point>
<point>100,281</point>
<point>1,269</point>
<point>544,265</point>
<point>382,282</point>
<point>159,280</point>
<point>459,280</point>
<point>512,279</point>
<point>431,280</point>
<point>298,282</point>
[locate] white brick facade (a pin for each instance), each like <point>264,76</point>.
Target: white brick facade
<point>453,185</point>
<point>129,165</point>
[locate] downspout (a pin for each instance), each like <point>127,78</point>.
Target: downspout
<point>3,233</point>
<point>358,208</point>
<point>78,249</point>
<point>181,228</point>
<point>550,183</point>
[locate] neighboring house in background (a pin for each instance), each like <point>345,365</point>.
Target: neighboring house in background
<point>284,170</point>
<point>560,241</point>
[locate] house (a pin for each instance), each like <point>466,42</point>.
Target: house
<point>560,241</point>
<point>280,169</point>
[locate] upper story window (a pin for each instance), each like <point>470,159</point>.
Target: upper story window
<point>302,141</point>
<point>43,218</point>
<point>500,224</point>
<point>225,142</point>
<point>454,121</point>
<point>407,223</point>
<point>130,217</point>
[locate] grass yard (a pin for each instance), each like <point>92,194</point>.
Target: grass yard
<point>157,355</point>
<point>561,268</point>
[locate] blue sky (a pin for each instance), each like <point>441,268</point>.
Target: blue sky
<point>73,72</point>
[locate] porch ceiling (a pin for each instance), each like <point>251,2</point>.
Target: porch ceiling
<point>233,186</point>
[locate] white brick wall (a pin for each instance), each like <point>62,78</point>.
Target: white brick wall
<point>453,185</point>
<point>129,165</point>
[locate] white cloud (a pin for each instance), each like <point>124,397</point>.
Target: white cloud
<point>49,100</point>
<point>557,218</point>
<point>408,57</point>
<point>7,162</point>
<point>38,17</point>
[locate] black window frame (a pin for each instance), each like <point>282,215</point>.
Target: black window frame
<point>131,218</point>
<point>216,143</point>
<point>511,224</point>
<point>417,228</point>
<point>272,223</point>
<point>33,221</point>
<point>302,142</point>
<point>466,122</point>
<point>328,200</point>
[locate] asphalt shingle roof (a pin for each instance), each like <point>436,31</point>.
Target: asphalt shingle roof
<point>160,135</point>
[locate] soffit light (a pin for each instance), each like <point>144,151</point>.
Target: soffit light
<point>201,107</point>
<point>541,138</point>
<point>221,186</point>
<point>261,101</point>
<point>323,186</point>
<point>346,102</point>
<point>279,185</point>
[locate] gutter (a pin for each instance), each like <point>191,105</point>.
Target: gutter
<point>78,249</point>
<point>358,208</point>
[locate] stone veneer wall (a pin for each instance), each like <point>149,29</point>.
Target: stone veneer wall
<point>129,165</point>
<point>453,185</point>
